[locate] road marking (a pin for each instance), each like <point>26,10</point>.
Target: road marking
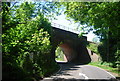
<point>105,71</point>
<point>81,74</point>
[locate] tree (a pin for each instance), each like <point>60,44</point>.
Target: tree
<point>101,16</point>
<point>26,43</point>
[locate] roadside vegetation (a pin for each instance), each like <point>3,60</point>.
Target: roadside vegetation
<point>93,47</point>
<point>26,46</point>
<point>59,54</point>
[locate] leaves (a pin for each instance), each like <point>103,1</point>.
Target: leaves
<point>103,17</point>
<point>26,42</point>
<point>98,15</point>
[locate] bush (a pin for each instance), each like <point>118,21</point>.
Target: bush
<point>93,47</point>
<point>26,44</point>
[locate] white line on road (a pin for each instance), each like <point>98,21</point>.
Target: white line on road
<point>81,74</point>
<point>105,71</point>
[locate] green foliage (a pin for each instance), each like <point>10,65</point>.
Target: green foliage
<point>118,59</point>
<point>99,15</point>
<point>103,17</point>
<point>103,52</point>
<point>26,43</point>
<point>59,54</point>
<point>93,47</point>
<point>107,52</point>
<point>49,9</point>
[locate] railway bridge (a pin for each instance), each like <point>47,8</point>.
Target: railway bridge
<point>73,47</point>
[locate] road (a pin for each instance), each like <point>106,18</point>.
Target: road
<point>77,72</point>
<point>69,70</point>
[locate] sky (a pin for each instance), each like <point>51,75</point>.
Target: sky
<point>63,21</point>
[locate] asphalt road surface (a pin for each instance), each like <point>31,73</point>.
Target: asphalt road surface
<point>69,71</point>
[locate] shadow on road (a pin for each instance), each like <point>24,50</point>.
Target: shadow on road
<point>67,68</point>
<point>69,72</point>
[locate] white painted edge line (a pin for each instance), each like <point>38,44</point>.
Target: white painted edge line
<point>81,74</point>
<point>105,71</point>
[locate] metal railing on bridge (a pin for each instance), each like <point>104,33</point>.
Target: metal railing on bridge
<point>65,28</point>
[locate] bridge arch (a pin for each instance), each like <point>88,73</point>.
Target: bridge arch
<point>73,47</point>
<point>67,52</point>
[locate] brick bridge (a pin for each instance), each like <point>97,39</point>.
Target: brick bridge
<point>73,47</point>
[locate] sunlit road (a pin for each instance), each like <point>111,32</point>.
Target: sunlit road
<point>68,71</point>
